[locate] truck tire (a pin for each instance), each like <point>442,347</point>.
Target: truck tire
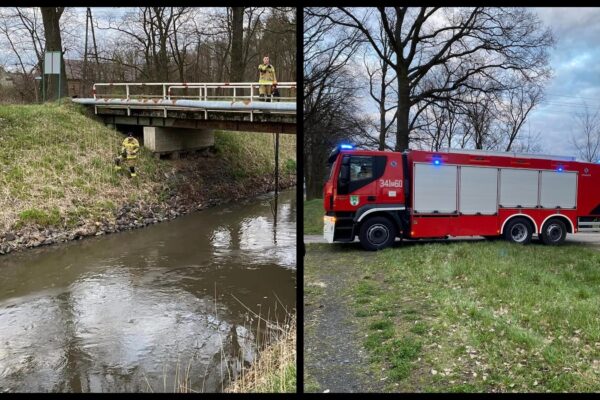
<point>377,233</point>
<point>518,230</point>
<point>554,232</point>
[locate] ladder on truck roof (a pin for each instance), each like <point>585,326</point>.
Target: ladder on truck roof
<point>507,154</point>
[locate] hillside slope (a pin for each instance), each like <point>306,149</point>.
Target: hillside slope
<point>57,180</point>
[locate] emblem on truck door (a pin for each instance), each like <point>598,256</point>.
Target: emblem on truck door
<point>354,200</point>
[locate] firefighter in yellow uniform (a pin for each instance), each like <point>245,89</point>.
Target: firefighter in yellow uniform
<point>266,79</point>
<point>129,151</point>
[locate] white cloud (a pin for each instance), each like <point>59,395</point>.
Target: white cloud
<point>575,61</point>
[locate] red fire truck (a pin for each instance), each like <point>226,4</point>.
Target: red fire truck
<point>380,196</point>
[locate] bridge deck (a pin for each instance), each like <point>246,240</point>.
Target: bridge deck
<point>232,106</point>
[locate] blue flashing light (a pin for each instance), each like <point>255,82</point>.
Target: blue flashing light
<point>346,147</point>
<point>560,169</point>
<point>437,161</point>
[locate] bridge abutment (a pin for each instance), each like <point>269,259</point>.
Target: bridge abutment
<point>160,139</point>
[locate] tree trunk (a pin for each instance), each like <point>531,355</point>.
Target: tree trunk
<point>51,18</point>
<point>237,41</point>
<point>382,125</point>
<point>314,172</point>
<point>402,113</point>
<point>163,59</point>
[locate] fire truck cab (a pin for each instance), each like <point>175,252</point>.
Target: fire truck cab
<point>380,196</point>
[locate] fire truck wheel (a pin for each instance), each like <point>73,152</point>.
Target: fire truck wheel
<point>377,233</point>
<point>518,230</point>
<point>554,232</point>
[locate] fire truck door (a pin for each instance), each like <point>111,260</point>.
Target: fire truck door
<point>356,183</point>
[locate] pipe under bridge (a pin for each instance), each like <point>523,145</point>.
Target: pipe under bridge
<point>183,116</point>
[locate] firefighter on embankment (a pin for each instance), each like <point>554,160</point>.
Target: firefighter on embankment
<point>129,151</point>
<point>266,79</point>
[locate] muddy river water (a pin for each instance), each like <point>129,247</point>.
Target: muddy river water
<point>151,309</point>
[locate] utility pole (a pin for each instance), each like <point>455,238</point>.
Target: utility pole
<point>276,187</point>
<point>89,24</point>
<point>85,53</point>
<point>276,164</point>
<point>95,47</point>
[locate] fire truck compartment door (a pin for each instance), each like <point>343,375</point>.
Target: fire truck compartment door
<point>435,188</point>
<point>558,189</point>
<point>518,187</point>
<point>478,190</point>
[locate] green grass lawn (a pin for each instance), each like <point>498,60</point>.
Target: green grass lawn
<point>313,217</point>
<point>476,316</point>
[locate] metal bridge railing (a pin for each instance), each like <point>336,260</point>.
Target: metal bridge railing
<point>243,91</point>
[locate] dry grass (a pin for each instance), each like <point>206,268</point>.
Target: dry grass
<point>251,154</point>
<point>275,369</point>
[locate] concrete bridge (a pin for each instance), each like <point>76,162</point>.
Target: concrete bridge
<point>183,116</point>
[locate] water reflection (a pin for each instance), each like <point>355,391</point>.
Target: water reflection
<point>121,312</point>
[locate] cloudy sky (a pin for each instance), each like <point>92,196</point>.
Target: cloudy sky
<point>575,60</point>
<point>576,63</point>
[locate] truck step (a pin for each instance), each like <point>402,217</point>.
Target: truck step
<point>588,226</point>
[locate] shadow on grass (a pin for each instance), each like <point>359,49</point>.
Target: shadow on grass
<point>410,243</point>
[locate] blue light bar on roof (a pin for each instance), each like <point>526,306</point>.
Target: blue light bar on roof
<point>346,147</point>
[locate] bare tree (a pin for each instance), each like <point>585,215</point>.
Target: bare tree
<point>528,142</point>
<point>22,33</point>
<point>152,31</point>
<point>516,106</point>
<point>380,86</point>
<point>440,125</point>
<point>494,43</point>
<point>480,114</point>
<point>586,140</point>
<point>277,39</point>
<point>330,91</point>
<point>180,41</point>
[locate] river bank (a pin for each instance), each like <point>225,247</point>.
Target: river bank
<point>275,369</point>
<point>59,183</point>
<point>177,306</point>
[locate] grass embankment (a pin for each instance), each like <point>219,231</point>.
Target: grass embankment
<point>275,369</point>
<point>475,316</point>
<point>313,217</point>
<point>57,169</point>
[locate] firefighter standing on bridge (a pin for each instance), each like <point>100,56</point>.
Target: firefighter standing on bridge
<point>129,151</point>
<point>266,79</point>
